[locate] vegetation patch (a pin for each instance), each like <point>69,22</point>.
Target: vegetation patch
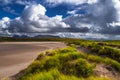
<point>70,64</point>
<point>62,64</point>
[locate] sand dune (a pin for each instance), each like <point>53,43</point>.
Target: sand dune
<point>15,56</point>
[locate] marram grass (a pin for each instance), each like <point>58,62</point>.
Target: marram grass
<point>64,64</point>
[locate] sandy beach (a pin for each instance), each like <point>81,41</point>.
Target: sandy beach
<point>16,56</point>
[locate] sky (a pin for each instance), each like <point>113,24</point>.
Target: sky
<point>87,19</point>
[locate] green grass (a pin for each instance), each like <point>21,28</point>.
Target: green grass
<point>106,51</point>
<point>100,48</point>
<point>59,61</point>
<point>54,74</point>
<point>70,64</point>
<point>64,64</point>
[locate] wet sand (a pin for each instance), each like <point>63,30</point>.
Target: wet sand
<point>16,56</point>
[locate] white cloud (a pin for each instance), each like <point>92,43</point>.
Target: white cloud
<point>74,2</point>
<point>77,10</point>
<point>70,2</point>
<point>72,12</point>
<point>113,24</point>
<point>4,22</point>
<point>92,1</point>
<point>117,6</point>
<point>58,17</point>
<point>33,11</point>
<point>3,25</point>
<point>5,19</point>
<point>33,19</point>
<point>23,2</point>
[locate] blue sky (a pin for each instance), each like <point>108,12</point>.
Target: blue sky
<point>97,19</point>
<point>6,10</point>
<point>18,8</point>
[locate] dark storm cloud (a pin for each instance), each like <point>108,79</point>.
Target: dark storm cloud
<point>98,16</point>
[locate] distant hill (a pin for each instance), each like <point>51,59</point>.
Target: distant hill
<point>38,36</point>
<point>20,36</point>
<point>46,36</point>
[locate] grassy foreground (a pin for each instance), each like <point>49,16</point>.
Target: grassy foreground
<point>70,63</point>
<point>62,64</point>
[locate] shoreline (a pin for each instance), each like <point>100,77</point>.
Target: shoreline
<point>16,56</point>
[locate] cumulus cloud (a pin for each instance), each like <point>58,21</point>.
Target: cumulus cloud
<point>33,20</point>
<point>4,22</point>
<point>3,25</point>
<point>33,11</point>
